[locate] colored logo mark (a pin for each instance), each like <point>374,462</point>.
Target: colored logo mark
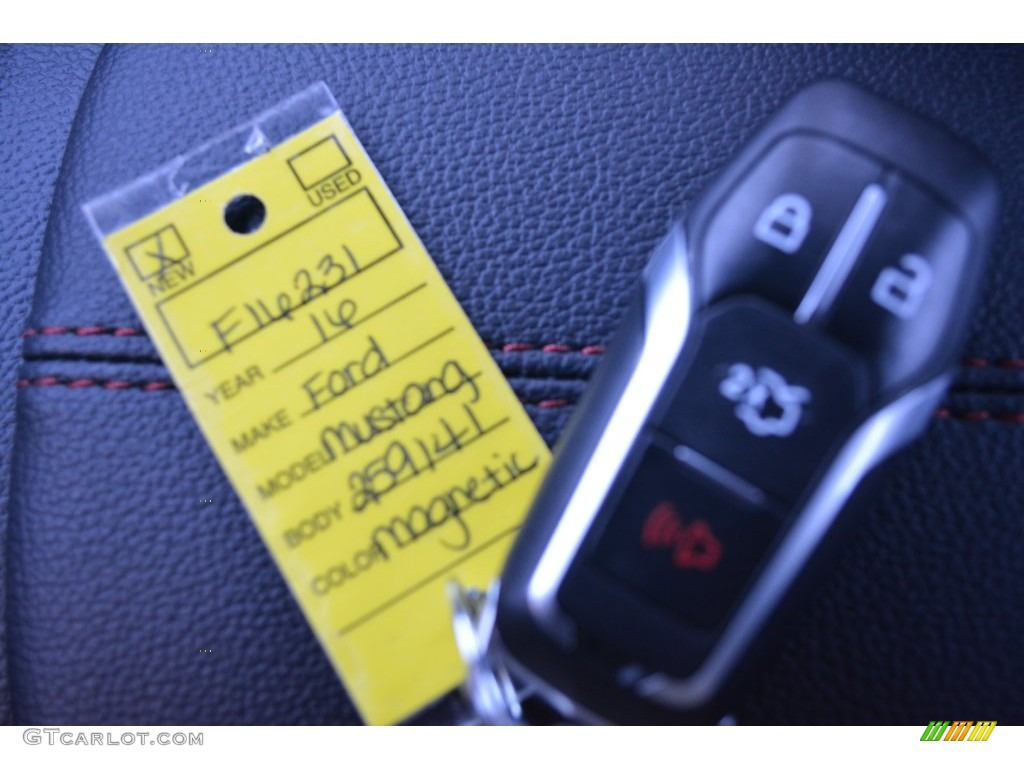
<point>958,730</point>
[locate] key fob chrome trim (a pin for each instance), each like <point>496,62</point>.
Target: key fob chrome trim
<point>667,307</point>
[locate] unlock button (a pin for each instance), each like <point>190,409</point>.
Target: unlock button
<point>903,300</point>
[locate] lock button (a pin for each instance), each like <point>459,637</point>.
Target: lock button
<point>774,228</point>
<point>902,301</point>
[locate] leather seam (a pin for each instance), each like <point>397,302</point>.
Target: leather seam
<point>164,385</point>
<point>590,350</point>
<point>121,331</point>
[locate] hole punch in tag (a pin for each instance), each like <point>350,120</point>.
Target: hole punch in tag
<point>376,445</point>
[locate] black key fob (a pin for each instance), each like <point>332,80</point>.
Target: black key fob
<point>795,333</point>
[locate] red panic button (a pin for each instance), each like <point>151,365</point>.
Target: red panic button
<point>693,545</point>
<point>680,539</point>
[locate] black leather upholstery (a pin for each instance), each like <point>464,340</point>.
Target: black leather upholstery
<point>40,90</point>
<point>539,178</point>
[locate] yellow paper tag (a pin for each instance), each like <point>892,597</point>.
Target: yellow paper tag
<point>375,443</point>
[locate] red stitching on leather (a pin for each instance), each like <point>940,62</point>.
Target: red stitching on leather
<point>556,403</point>
<point>1009,363</point>
<point>551,349</point>
<point>83,330</point>
<point>514,346</point>
<point>1009,417</point>
<point>111,384</point>
<point>511,346</point>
